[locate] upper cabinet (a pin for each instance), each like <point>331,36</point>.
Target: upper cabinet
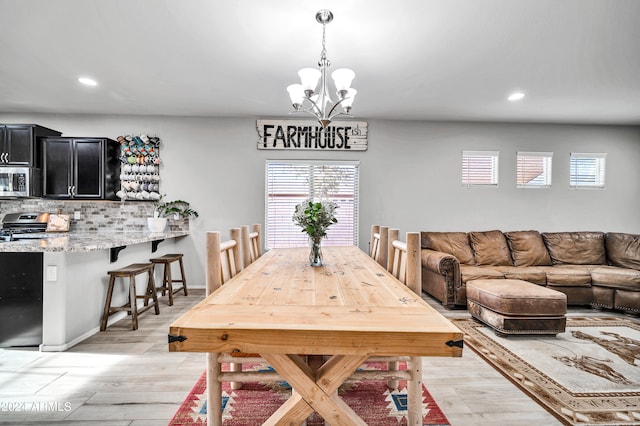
<point>80,168</point>
<point>20,144</point>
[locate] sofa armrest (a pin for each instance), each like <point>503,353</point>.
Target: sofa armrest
<point>441,276</point>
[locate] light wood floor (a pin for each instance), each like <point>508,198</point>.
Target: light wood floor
<point>125,377</point>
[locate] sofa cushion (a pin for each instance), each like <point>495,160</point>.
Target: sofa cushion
<point>565,276</point>
<point>490,248</point>
<point>623,249</point>
<point>612,276</point>
<point>455,243</point>
<point>576,248</point>
<point>468,273</point>
<point>527,248</point>
<point>533,274</point>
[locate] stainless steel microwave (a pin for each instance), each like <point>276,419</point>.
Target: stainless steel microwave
<point>20,182</point>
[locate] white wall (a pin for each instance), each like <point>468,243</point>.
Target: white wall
<point>410,175</point>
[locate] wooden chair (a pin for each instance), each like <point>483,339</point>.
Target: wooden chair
<point>224,259</point>
<point>251,243</point>
<point>232,258</point>
<point>379,243</point>
<point>403,261</point>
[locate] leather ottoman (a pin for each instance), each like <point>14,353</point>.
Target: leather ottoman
<point>517,306</point>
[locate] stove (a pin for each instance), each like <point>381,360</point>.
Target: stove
<point>16,226</point>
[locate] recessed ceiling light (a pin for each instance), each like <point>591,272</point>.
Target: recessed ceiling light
<point>516,96</point>
<point>87,81</point>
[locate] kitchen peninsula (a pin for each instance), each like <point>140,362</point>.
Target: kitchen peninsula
<point>67,272</point>
<point>73,272</point>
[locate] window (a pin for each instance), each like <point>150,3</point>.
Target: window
<point>290,182</point>
<point>480,168</point>
<point>533,169</point>
<point>587,170</point>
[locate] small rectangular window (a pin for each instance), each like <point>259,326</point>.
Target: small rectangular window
<point>480,168</point>
<point>587,170</point>
<point>533,169</point>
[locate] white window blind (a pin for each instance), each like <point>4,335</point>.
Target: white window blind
<point>533,169</point>
<point>480,168</point>
<point>587,170</point>
<point>288,183</point>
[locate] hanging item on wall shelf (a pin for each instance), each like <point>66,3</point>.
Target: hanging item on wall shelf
<point>140,169</point>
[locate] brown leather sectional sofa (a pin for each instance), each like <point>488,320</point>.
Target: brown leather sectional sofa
<point>591,268</point>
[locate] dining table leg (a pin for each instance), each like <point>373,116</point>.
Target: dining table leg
<point>414,392</point>
<point>315,390</point>
<point>214,390</point>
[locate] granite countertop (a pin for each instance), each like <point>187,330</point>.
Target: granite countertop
<point>85,241</point>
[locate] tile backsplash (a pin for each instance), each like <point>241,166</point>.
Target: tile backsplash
<point>94,215</point>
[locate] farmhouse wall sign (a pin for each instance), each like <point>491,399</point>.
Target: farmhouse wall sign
<point>295,135</point>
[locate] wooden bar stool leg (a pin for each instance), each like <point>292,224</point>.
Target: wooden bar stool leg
<point>164,280</point>
<point>184,278</point>
<point>151,289</point>
<point>107,304</point>
<point>133,301</point>
<point>168,282</point>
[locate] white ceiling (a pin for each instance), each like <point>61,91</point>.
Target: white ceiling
<point>578,61</point>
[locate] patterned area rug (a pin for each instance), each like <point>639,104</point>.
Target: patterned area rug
<point>588,375</point>
<point>256,401</point>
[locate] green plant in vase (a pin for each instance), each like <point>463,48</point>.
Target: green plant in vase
<point>315,217</point>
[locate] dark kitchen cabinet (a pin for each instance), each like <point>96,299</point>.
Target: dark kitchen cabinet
<point>21,299</point>
<point>20,144</point>
<point>80,168</point>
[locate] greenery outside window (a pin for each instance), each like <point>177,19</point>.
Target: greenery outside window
<point>288,183</point>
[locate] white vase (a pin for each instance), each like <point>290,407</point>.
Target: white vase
<point>156,224</point>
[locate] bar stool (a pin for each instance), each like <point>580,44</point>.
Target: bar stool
<point>167,280</point>
<point>131,272</point>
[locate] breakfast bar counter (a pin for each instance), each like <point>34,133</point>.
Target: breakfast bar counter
<point>61,302</point>
<point>85,241</point>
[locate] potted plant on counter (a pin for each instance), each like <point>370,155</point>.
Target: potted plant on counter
<point>164,209</point>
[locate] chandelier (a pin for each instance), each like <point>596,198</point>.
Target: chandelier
<point>305,98</point>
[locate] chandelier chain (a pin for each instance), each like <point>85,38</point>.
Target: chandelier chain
<point>323,54</point>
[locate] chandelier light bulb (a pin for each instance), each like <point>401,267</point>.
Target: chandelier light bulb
<point>296,93</point>
<point>309,78</point>
<point>348,99</point>
<point>342,77</point>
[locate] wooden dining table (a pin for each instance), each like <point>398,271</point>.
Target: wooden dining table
<point>346,311</point>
